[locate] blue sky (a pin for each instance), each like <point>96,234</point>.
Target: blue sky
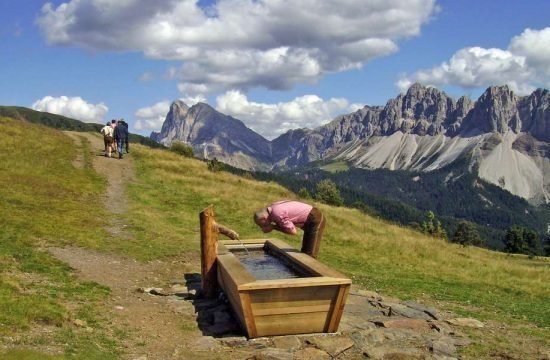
<point>274,64</point>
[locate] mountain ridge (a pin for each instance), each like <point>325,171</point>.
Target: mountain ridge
<point>422,129</point>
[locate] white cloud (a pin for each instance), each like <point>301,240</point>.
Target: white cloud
<point>152,117</point>
<point>272,120</point>
<point>240,44</point>
<point>524,66</point>
<point>73,107</point>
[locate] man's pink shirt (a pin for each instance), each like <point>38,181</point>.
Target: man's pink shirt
<point>289,214</point>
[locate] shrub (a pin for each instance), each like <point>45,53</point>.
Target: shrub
<point>466,234</point>
<point>304,194</point>
<point>432,226</point>
<point>522,240</point>
<point>182,148</point>
<point>327,192</point>
<point>215,165</point>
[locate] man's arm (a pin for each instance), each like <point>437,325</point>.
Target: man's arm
<point>288,228</point>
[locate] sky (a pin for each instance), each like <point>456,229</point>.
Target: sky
<point>274,64</point>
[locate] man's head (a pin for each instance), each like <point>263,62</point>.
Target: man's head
<point>261,217</point>
<point>113,121</point>
<point>108,123</point>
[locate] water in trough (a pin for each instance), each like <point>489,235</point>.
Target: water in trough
<point>264,266</point>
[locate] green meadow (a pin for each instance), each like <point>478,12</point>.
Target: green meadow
<point>46,201</point>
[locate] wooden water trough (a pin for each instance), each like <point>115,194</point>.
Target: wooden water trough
<point>313,302</point>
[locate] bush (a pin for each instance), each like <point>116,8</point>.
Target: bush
<point>327,192</point>
<point>432,226</point>
<point>182,148</point>
<point>304,194</point>
<point>214,165</point>
<point>466,234</point>
<point>522,240</point>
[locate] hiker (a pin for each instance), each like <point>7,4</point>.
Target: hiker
<point>121,133</point>
<point>126,141</point>
<point>113,126</point>
<point>107,132</point>
<point>287,215</point>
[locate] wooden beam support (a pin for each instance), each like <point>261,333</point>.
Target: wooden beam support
<point>209,251</point>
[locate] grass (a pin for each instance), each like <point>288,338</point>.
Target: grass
<point>46,201</point>
<point>336,166</point>
<point>393,260</point>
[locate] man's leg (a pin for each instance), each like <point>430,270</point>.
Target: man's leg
<point>107,146</point>
<point>313,233</point>
<point>127,143</point>
<point>120,142</point>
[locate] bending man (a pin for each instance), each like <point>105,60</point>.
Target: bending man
<point>287,215</point>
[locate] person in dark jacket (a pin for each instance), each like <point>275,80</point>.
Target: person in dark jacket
<point>121,133</point>
<point>126,141</point>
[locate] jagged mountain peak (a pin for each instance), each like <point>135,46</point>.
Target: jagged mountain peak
<point>423,129</point>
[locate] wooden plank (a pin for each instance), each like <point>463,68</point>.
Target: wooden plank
<point>293,283</point>
<point>244,241</point>
<point>242,247</point>
<point>292,310</point>
<point>249,318</point>
<point>230,289</point>
<point>301,296</point>
<point>209,247</point>
<point>287,324</point>
<point>337,310</point>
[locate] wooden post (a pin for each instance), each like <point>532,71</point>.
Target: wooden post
<point>209,251</point>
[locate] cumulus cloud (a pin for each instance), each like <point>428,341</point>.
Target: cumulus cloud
<point>272,120</point>
<point>240,44</point>
<point>524,65</point>
<point>152,117</point>
<point>73,107</point>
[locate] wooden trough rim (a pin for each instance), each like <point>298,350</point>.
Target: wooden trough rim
<point>322,274</point>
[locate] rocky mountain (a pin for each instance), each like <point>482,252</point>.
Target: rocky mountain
<point>505,138</point>
<point>213,134</point>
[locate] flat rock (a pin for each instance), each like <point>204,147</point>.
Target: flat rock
<point>311,353</point>
<point>287,342</point>
<point>234,341</point>
<point>426,309</point>
<point>179,289</point>
<point>205,343</point>
<point>405,311</point>
<point>441,327</point>
<point>443,346</point>
<point>333,345</point>
<point>466,322</point>
<point>387,352</point>
<point>414,324</point>
<point>274,354</point>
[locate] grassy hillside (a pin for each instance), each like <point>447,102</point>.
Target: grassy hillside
<point>45,201</point>
<point>61,122</point>
<point>452,193</point>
